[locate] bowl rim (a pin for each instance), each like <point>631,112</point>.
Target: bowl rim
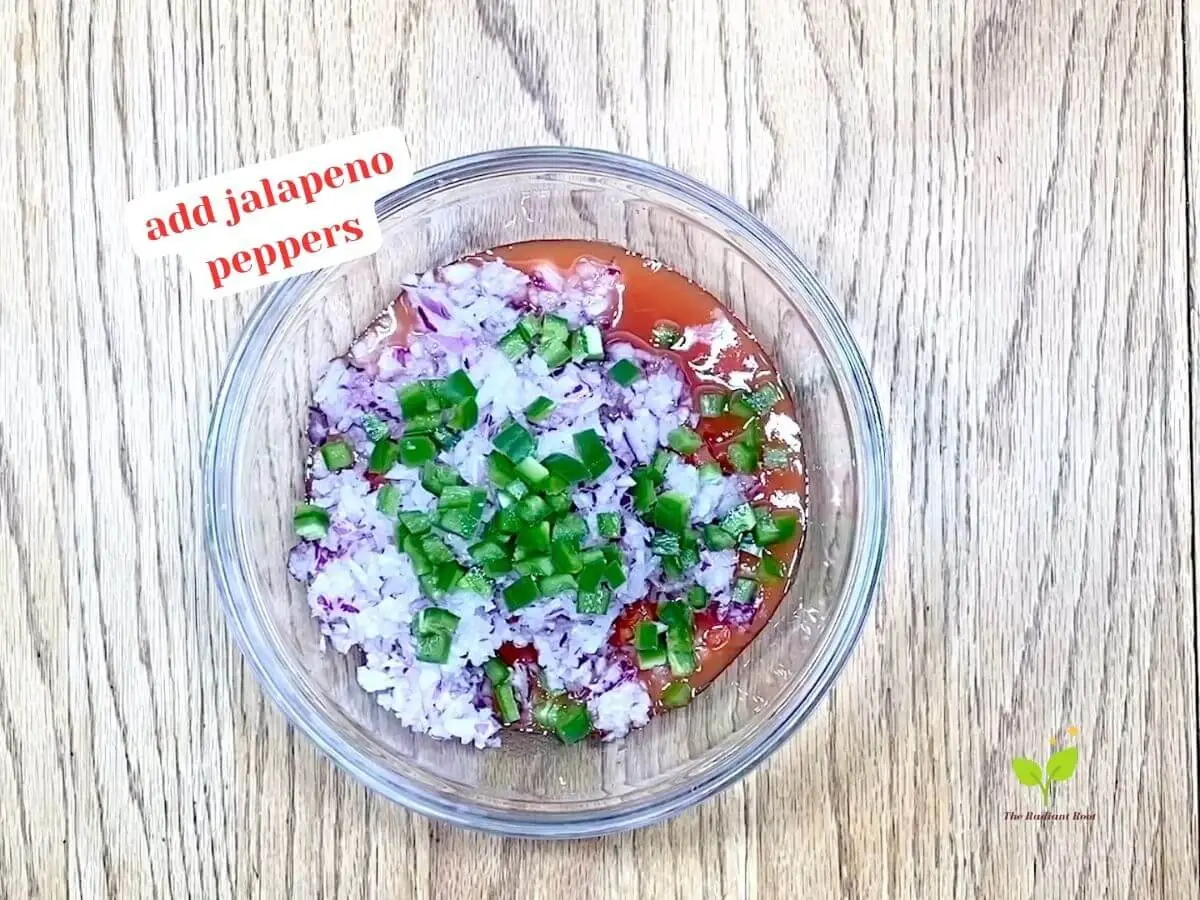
<point>872,477</point>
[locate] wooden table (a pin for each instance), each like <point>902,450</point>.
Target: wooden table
<point>996,193</point>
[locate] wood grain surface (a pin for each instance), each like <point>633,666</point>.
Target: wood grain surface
<point>995,191</point>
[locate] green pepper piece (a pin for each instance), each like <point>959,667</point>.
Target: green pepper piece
<point>384,455</point>
<point>672,511</point>
<point>592,452</point>
<point>310,522</point>
<point>436,476</point>
<point>520,593</point>
<point>458,387</point>
<point>536,566</point>
<point>739,520</point>
<point>415,450</point>
<point>608,524</point>
<point>552,585</point>
<point>337,454</point>
<point>573,723</point>
<point>665,544</point>
<point>387,500</point>
<point>539,410</point>
<point>738,406</point>
<point>513,440</point>
<point>593,342</point>
<point>434,618</point>
<point>497,671</point>
<point>625,372</point>
<point>744,590</point>
<point>555,353</point>
<point>713,404</point>
<point>375,427</point>
<point>765,398</point>
<point>433,647</point>
<point>535,538</point>
<point>568,468</point>
<point>684,440</point>
<point>677,694</point>
<point>532,509</point>
<point>566,557</point>
<point>666,335</point>
<point>514,345</point>
<point>593,602</point>
<point>507,709</point>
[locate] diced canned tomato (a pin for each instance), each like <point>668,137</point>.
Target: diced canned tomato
<point>628,620</point>
<point>716,637</point>
<point>512,654</point>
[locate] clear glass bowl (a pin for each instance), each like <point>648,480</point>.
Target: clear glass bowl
<point>534,786</point>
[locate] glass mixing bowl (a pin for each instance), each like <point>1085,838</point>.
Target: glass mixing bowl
<point>535,786</point>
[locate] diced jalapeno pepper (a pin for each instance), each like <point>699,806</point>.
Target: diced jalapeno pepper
<point>625,372</point>
<point>310,522</point>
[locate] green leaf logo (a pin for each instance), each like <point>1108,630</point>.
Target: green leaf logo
<point>1027,771</point>
<point>1061,765</point>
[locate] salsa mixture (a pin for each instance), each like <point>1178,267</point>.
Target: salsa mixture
<point>555,487</point>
